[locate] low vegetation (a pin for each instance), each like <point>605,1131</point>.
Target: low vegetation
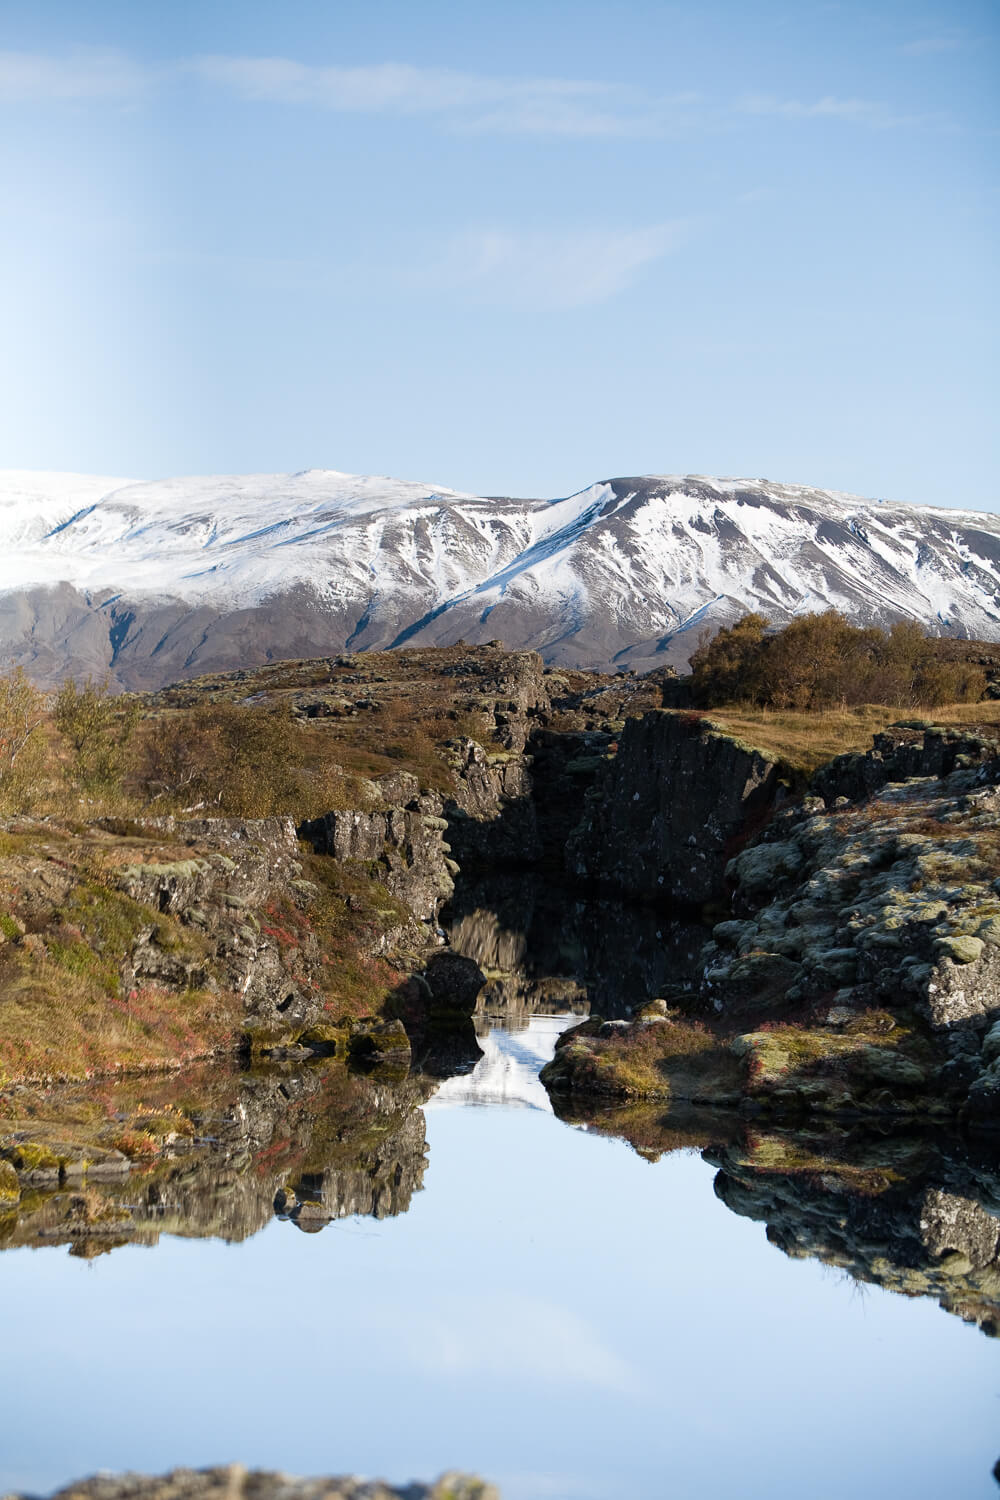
<point>821,662</point>
<point>807,739</point>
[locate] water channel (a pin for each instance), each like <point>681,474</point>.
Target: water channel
<point>398,1277</point>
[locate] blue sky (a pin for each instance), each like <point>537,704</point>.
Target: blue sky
<point>512,248</point>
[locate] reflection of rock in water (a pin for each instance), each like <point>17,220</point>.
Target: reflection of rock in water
<point>312,1144</point>
<point>916,1214</point>
<point>911,1215</point>
<point>652,1130</point>
<point>234,1482</point>
<point>377,1182</point>
<point>547,952</point>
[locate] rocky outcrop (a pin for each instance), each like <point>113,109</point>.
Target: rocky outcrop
<point>402,842</point>
<point>234,1482</point>
<point>661,821</point>
<point>491,812</point>
<point>858,976</point>
<point>508,687</point>
<point>892,902</point>
<point>260,854</point>
<point>899,753</point>
<point>148,944</point>
<point>219,891</point>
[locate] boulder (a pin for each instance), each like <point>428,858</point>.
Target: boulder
<point>454,981</point>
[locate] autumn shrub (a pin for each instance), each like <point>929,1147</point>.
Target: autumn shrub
<point>98,727</point>
<point>242,760</point>
<point>821,661</point>
<point>22,740</point>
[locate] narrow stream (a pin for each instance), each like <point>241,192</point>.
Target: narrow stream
<point>493,1288</point>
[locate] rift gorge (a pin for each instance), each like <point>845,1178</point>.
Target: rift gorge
<point>433,1062</point>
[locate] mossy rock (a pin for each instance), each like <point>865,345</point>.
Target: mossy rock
<point>884,1065</point>
<point>31,1156</point>
<point>10,1186</point>
<point>584,765</point>
<point>763,978</point>
<point>325,1038</point>
<point>961,949</point>
<point>760,869</point>
<point>730,933</point>
<point>179,869</point>
<point>374,1041</point>
<point>454,1486</point>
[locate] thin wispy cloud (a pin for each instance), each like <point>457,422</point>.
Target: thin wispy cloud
<point>29,77</point>
<point>556,106</point>
<point>928,45</point>
<point>555,269</point>
<point>531,1340</point>
<point>455,100</point>
<point>856,111</point>
<point>539,269</point>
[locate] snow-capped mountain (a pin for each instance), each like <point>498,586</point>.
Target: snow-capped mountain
<point>157,581</point>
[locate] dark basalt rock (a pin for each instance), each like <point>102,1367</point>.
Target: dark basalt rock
<point>491,814</point>
<point>859,976</point>
<point>405,840</point>
<point>900,752</point>
<point>454,981</point>
<point>660,824</point>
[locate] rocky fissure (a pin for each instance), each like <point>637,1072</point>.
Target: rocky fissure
<point>873,897</point>
<point>859,971</point>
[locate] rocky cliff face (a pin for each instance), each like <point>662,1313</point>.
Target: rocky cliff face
<point>488,809</point>
<point>220,891</point>
<point>402,842</point>
<point>859,974</point>
<point>659,823</point>
<point>491,813</point>
<point>899,753</point>
<point>151,943</point>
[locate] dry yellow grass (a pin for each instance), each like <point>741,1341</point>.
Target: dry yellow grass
<point>55,1024</point>
<point>807,740</point>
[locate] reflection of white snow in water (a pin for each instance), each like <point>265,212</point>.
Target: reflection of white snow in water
<point>507,1073</point>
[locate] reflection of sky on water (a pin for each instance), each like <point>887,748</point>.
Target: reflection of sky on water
<point>553,1312</point>
<point>507,1072</point>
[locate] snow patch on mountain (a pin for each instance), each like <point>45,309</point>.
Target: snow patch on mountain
<point>627,571</point>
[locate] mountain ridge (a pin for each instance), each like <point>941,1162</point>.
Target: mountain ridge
<point>156,580</point>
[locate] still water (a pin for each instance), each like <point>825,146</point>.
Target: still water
<point>552,1310</point>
